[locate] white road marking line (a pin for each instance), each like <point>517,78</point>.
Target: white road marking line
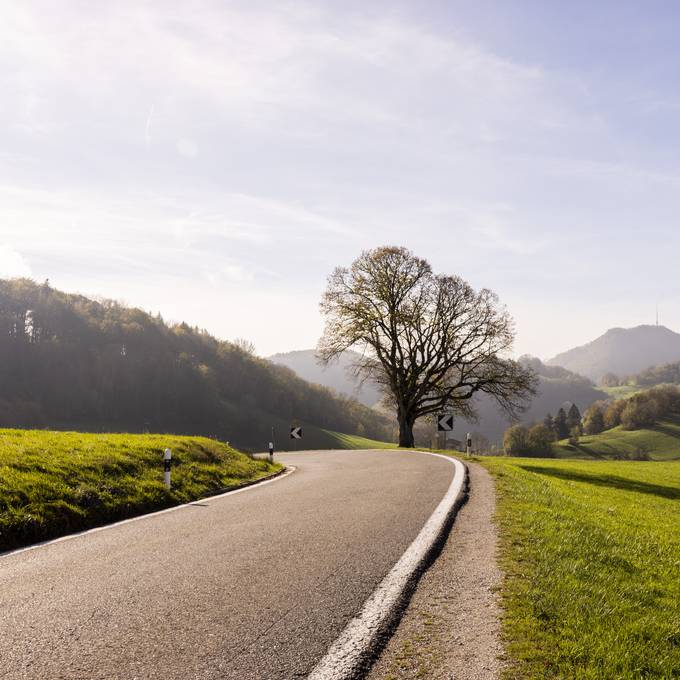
<point>347,654</point>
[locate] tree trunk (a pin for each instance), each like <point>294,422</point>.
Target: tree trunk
<point>406,438</point>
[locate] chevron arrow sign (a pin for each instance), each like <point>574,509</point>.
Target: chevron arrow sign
<point>296,433</point>
<point>445,422</point>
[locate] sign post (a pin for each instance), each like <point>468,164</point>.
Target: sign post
<point>444,429</point>
<point>167,458</point>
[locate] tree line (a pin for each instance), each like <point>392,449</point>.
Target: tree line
<point>537,439</point>
<point>668,374</point>
<point>642,410</point>
<point>69,362</point>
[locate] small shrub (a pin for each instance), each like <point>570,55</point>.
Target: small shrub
<point>574,435</point>
<point>641,453</point>
<point>535,441</point>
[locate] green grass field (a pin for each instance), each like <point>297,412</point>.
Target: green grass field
<point>54,483</point>
<point>661,442</point>
<point>591,556</point>
<point>352,441</point>
<point>318,438</point>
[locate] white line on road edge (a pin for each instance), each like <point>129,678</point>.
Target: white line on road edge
<point>247,487</point>
<point>347,655</point>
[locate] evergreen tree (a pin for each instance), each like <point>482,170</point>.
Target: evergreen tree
<point>560,425</point>
<point>549,423</point>
<point>574,419</point>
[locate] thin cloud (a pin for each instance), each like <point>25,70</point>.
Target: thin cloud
<point>187,148</point>
<point>280,140</point>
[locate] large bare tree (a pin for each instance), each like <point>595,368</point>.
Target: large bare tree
<point>430,341</point>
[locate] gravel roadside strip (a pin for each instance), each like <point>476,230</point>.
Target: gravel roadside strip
<point>451,628</point>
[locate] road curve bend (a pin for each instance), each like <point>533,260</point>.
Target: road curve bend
<point>258,584</point>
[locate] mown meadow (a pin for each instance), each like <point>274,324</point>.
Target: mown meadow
<point>591,556</point>
<point>660,441</point>
<point>54,483</point>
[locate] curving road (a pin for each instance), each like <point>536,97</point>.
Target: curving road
<point>255,584</point>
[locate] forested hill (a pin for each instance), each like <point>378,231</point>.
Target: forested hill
<point>70,362</point>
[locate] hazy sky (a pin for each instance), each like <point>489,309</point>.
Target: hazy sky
<point>215,160</point>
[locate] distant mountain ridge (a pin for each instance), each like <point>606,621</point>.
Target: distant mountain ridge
<point>622,351</point>
<point>337,375</point>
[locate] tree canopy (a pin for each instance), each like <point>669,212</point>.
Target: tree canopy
<point>430,341</point>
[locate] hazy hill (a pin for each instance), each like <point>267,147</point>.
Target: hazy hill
<point>336,375</point>
<point>622,351</point>
<point>557,386</point>
<point>68,362</point>
<point>668,374</point>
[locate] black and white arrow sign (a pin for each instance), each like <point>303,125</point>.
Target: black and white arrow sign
<point>445,422</point>
<point>296,433</point>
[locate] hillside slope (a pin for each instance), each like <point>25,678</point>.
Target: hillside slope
<point>664,374</point>
<point>660,442</point>
<point>337,375</point>
<point>68,362</point>
<point>556,387</point>
<point>622,351</point>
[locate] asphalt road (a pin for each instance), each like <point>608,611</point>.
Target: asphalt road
<point>256,584</point>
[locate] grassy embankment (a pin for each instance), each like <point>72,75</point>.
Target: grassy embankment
<point>591,556</point>
<point>661,442</point>
<point>54,483</point>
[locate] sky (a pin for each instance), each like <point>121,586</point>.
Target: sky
<point>214,161</point>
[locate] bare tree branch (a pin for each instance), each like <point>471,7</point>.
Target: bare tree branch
<point>431,342</point>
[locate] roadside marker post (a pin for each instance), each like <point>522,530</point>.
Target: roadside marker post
<point>167,458</point>
<point>271,452</point>
<point>468,448</point>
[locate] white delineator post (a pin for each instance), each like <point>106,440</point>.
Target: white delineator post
<point>167,457</point>
<point>271,452</point>
<point>468,448</point>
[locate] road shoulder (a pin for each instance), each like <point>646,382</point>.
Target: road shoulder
<point>451,628</point>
